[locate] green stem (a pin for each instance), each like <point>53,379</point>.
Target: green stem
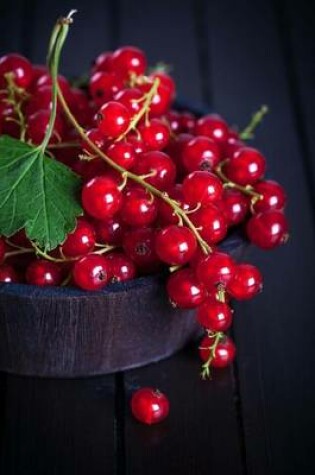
<point>247,190</point>
<point>257,117</point>
<point>205,373</point>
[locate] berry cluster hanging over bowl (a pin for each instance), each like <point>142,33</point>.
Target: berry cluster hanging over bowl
<point>109,182</point>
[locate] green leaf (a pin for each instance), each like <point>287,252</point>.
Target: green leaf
<point>36,193</point>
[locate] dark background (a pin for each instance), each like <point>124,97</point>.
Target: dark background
<point>258,417</point>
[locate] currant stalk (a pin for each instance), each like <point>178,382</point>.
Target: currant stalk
<point>16,97</point>
<point>205,369</point>
<point>257,117</point>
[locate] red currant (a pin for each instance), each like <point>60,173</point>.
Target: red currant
<point>103,86</point>
<point>216,268</point>
<point>155,134</point>
<point>8,274</point>
<point>167,214</point>
<point>235,206</point>
<point>214,127</point>
<point>96,137</point>
<point>268,230</point>
<point>201,187</point>
<point>161,100</point>
<point>122,267</point>
<point>127,60</point>
<point>149,406</point>
<point>215,316</point>
<point>63,83</point>
<point>211,223</point>
<point>101,197</point>
<point>130,98</point>
<point>37,126</point>
<point>139,245</point>
<point>175,245</point>
<point>223,354</point>
<point>20,68</point>
<point>273,196</point>
<point>92,272</point>
<point>81,241</point>
<point>139,208</point>
<point>165,80</point>
<point>113,119</point>
<point>160,166</point>
<point>110,231</point>
<point>246,167</point>
<point>41,272</point>
<point>185,290</point>
<point>200,153</point>
<point>245,283</point>
<point>122,153</point>
<point>103,62</point>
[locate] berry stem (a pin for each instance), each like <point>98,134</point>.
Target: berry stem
<point>16,97</point>
<point>248,132</point>
<point>247,190</point>
<point>205,369</point>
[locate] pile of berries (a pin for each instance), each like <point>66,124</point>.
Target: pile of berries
<point>160,188</point>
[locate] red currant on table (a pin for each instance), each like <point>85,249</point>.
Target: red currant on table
<point>160,165</point>
<point>155,134</point>
<point>245,282</point>
<point>246,167</point>
<point>81,241</point>
<point>139,208</point>
<point>122,153</point>
<point>214,127</point>
<point>268,230</point>
<point>185,290</point>
<point>8,274</point>
<point>149,405</point>
<point>217,268</point>
<point>175,245</point>
<point>200,153</point>
<point>92,272</point>
<point>122,267</point>
<point>223,354</point>
<point>272,196</point>
<point>202,187</point>
<point>139,245</point>
<point>42,272</point>
<point>211,223</point>
<point>110,231</point>
<point>101,197</point>
<point>235,206</point>
<point>20,68</point>
<point>113,119</point>
<point>214,315</point>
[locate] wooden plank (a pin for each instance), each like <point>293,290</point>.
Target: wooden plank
<point>62,427</point>
<point>274,333</point>
<point>166,33</point>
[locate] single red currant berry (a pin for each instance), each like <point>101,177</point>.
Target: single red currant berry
<point>175,245</point>
<point>92,272</point>
<point>216,268</point>
<point>96,137</point>
<point>41,272</point>
<point>132,98</point>
<point>123,268</point>
<point>268,230</point>
<point>245,283</point>
<point>8,275</point>
<point>19,67</point>
<point>161,100</point>
<point>223,354</point>
<point>232,144</point>
<point>272,194</point>
<point>81,241</point>
<point>40,100</point>
<point>101,197</point>
<point>173,120</point>
<point>246,167</point>
<point>185,290</point>
<point>200,153</point>
<point>139,208</point>
<point>37,126</point>
<point>127,60</point>
<point>160,166</point>
<point>166,81</point>
<point>102,62</point>
<point>103,87</point>
<point>110,231</point>
<point>212,126</point>
<point>2,249</point>
<point>155,134</point>
<point>63,83</point>
<point>167,215</point>
<point>139,245</point>
<point>187,122</point>
<point>202,187</point>
<point>122,153</point>
<point>138,144</point>
<point>80,106</point>
<point>113,119</point>
<point>215,316</point>
<point>235,206</point>
<point>149,405</point>
<point>211,223</point>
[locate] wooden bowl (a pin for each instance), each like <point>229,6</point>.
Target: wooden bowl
<point>65,332</point>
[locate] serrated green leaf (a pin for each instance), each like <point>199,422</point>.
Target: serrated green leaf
<point>36,193</point>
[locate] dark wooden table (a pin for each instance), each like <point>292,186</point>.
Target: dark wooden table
<point>257,418</point>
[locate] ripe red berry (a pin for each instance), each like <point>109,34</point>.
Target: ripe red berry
<point>8,275</point>
<point>273,196</point>
<point>160,166</point>
<point>139,245</point>
<point>139,208</point>
<point>101,197</point>
<point>246,167</point>
<point>127,60</point>
<point>173,119</point>
<point>103,86</point>
<point>110,231</point>
<point>20,68</point>
<point>92,272</point>
<point>37,126</point>
<point>113,119</point>
<point>185,290</point>
<point>167,215</point>
<point>122,267</point>
<point>202,187</point>
<point>46,80</point>
<point>175,245</point>
<point>96,137</point>
<point>161,100</point>
<point>81,241</point>
<point>155,134</point>
<point>217,268</point>
<point>214,127</point>
<point>166,81</point>
<point>122,153</point>
<point>42,272</point>
<point>149,405</point>
<point>130,98</point>
<point>102,62</point>
<point>235,206</point>
<point>245,283</point>
<point>215,316</point>
<point>223,354</point>
<point>187,122</point>
<point>268,230</point>
<point>200,153</point>
<point>211,223</point>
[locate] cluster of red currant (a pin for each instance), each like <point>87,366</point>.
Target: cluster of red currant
<point>160,188</point>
